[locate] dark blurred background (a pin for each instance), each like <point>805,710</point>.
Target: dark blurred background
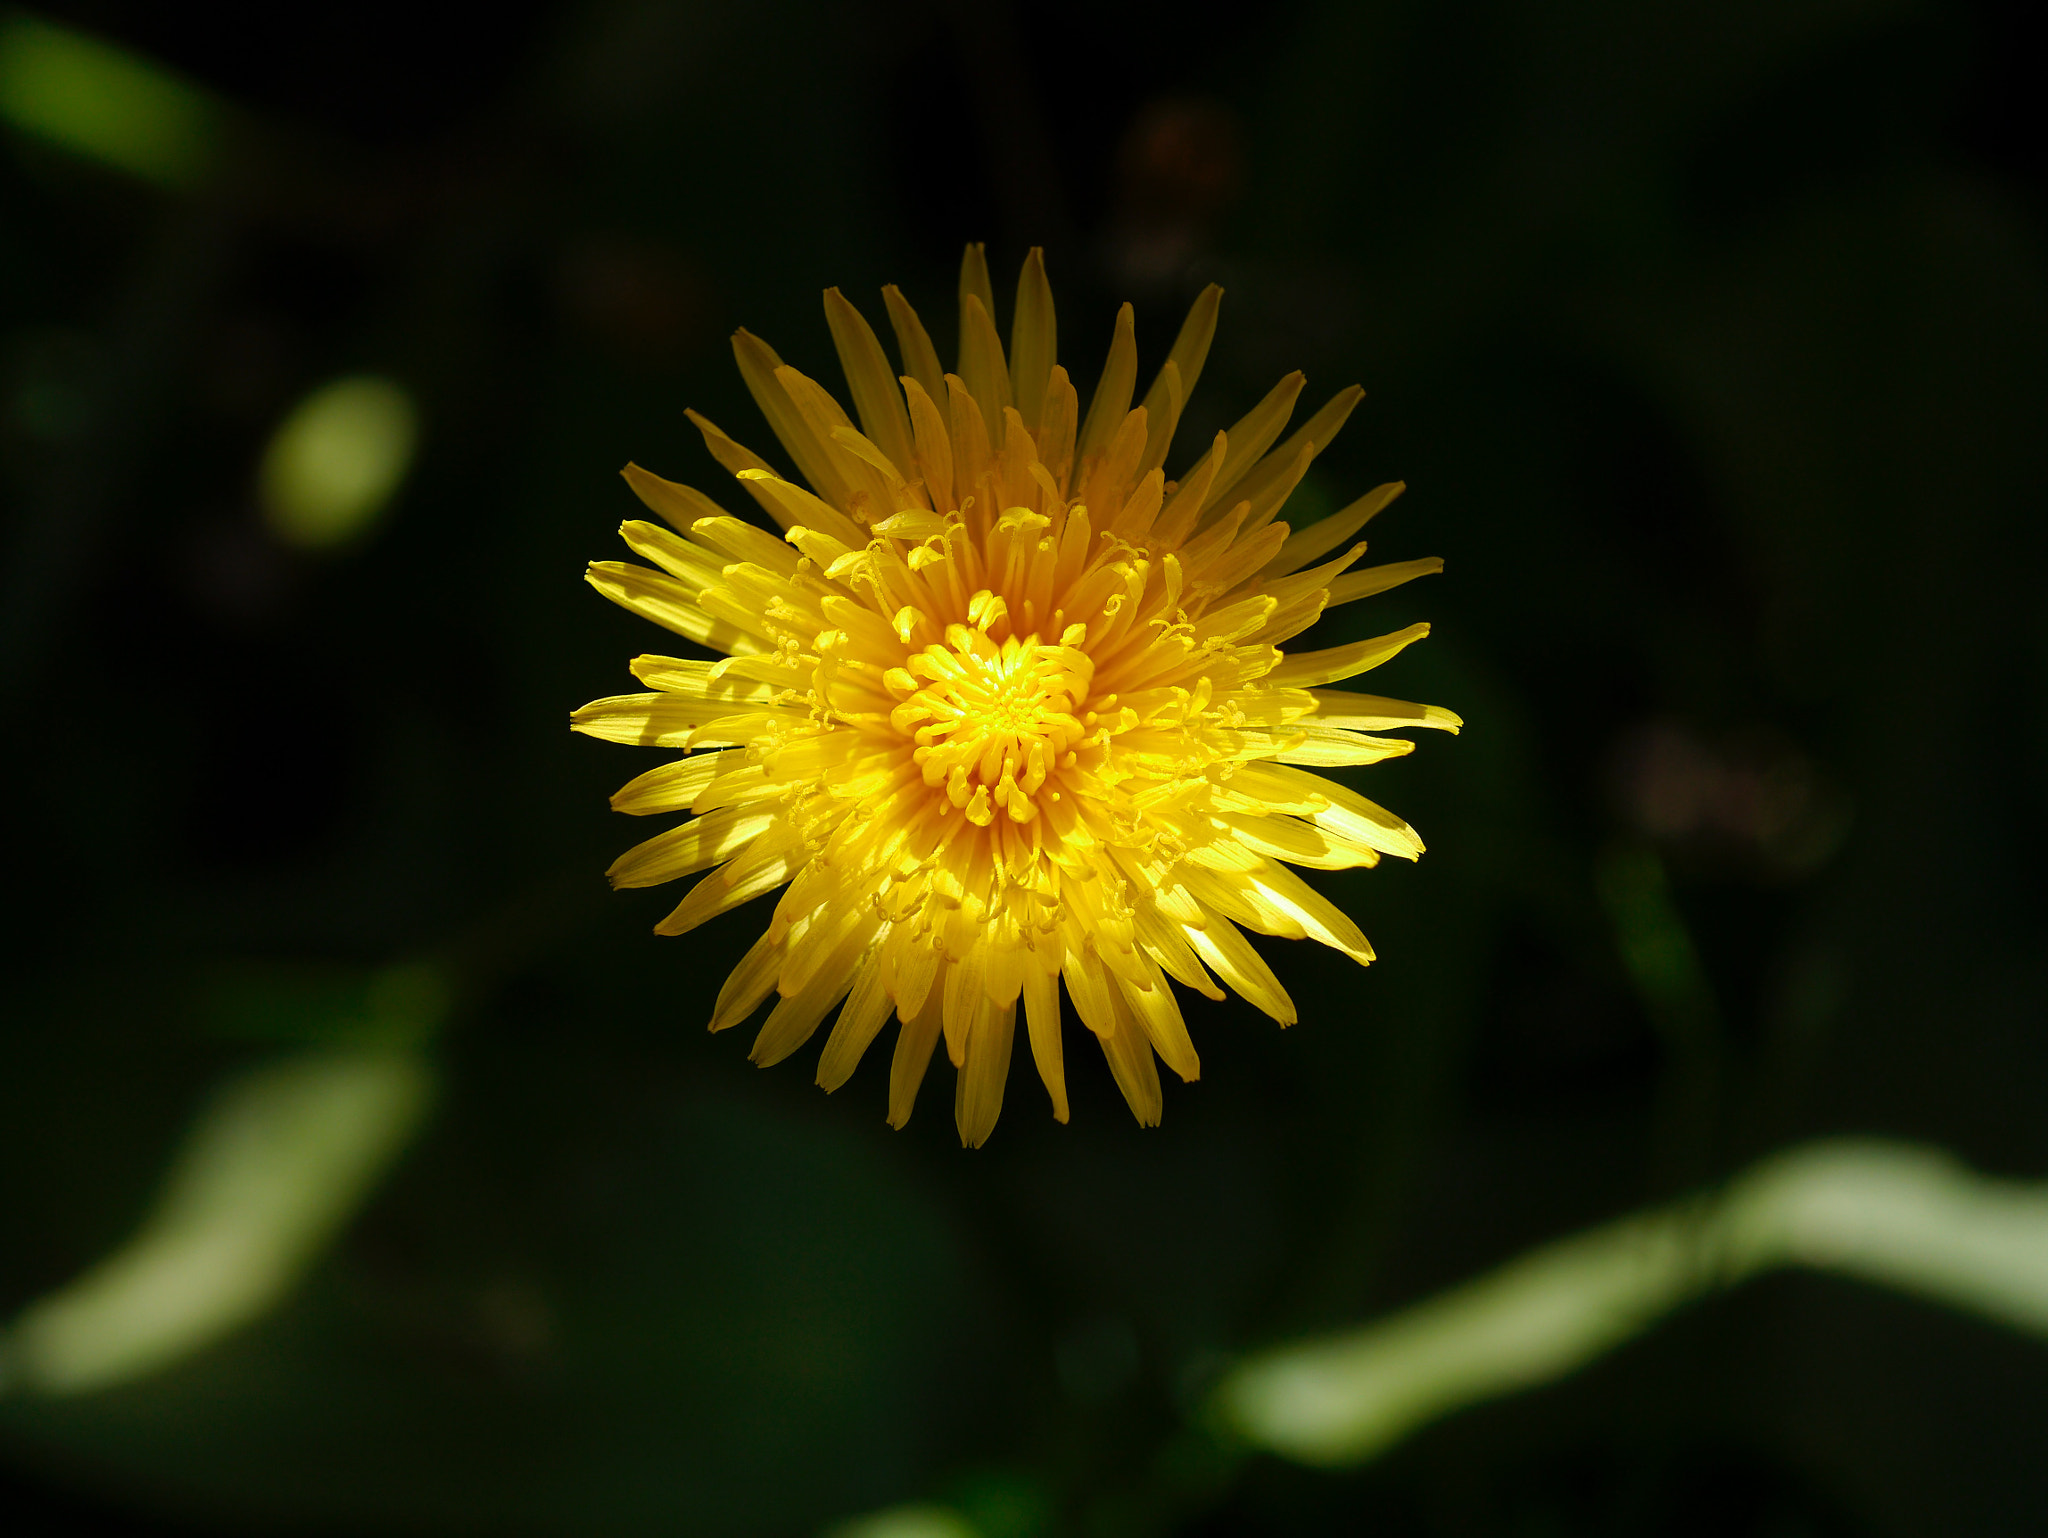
<point>1710,341</point>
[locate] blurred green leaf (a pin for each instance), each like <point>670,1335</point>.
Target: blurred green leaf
<point>270,1172</point>
<point>105,103</point>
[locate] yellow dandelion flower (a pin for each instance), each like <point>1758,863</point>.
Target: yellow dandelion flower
<point>1004,707</point>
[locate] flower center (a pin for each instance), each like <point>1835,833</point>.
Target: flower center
<point>992,723</point>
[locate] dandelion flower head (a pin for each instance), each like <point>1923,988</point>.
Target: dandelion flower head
<point>1004,707</point>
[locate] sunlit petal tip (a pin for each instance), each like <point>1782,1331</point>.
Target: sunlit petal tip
<point>1005,709</point>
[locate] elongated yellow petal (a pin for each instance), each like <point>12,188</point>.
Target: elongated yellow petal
<point>793,507</point>
<point>1307,669</point>
<point>749,983</point>
<point>690,563</point>
<point>799,1013</point>
<point>913,344</point>
<point>1318,539</point>
<point>975,284</point>
<point>651,720</point>
<point>1312,437</point>
<point>671,787</point>
<point>1157,1014</point>
<point>680,505</point>
<point>754,874</point>
<point>702,681</point>
<point>1347,812</point>
<point>670,605</point>
<point>1042,1015</point>
<point>733,456</point>
<point>758,365</point>
<point>1328,746</point>
<point>861,1019</point>
<point>1265,494</point>
<point>1111,401</point>
<point>1378,579</point>
<point>1129,1051</point>
<point>1303,843</point>
<point>1033,339</point>
<point>914,1043</point>
<point>978,1092</point>
<point>706,841</point>
<point>877,399</point>
<point>1190,352</point>
<point>1376,713</point>
<point>981,360</point>
<point>1220,943</point>
<point>1250,437</point>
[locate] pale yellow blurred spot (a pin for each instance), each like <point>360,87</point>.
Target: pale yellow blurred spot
<point>920,1521</point>
<point>336,461</point>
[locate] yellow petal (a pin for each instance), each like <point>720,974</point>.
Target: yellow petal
<point>1182,368</point>
<point>695,845</point>
<point>975,284</point>
<point>920,358</point>
<point>688,562</point>
<point>744,542</point>
<point>1303,843</point>
<point>1162,408</point>
<point>914,1043</point>
<point>701,681</point>
<point>1230,955</point>
<point>978,1091</point>
<point>1377,579</point>
<point>1314,436</point>
<point>748,983</point>
<point>1328,747</point>
<point>860,1020</point>
<point>869,488</point>
<point>772,861</point>
<point>934,445</point>
<point>758,363</point>
<point>1377,713</point>
<point>681,506</point>
<point>1267,494</point>
<point>1033,339</point>
<point>797,1015</point>
<point>734,457</point>
<point>982,368</point>
<point>1111,402</point>
<point>669,788</point>
<point>1157,1013</point>
<point>877,400</point>
<point>1346,812</point>
<point>793,507</point>
<point>1042,1015</point>
<point>1323,919</point>
<point>1251,436</point>
<point>651,720</point>
<point>670,605</point>
<point>1129,1051</point>
<point>1304,670</point>
<point>1320,538</point>
<point>1089,987</point>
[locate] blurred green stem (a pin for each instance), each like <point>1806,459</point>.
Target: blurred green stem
<point>1901,1216</point>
